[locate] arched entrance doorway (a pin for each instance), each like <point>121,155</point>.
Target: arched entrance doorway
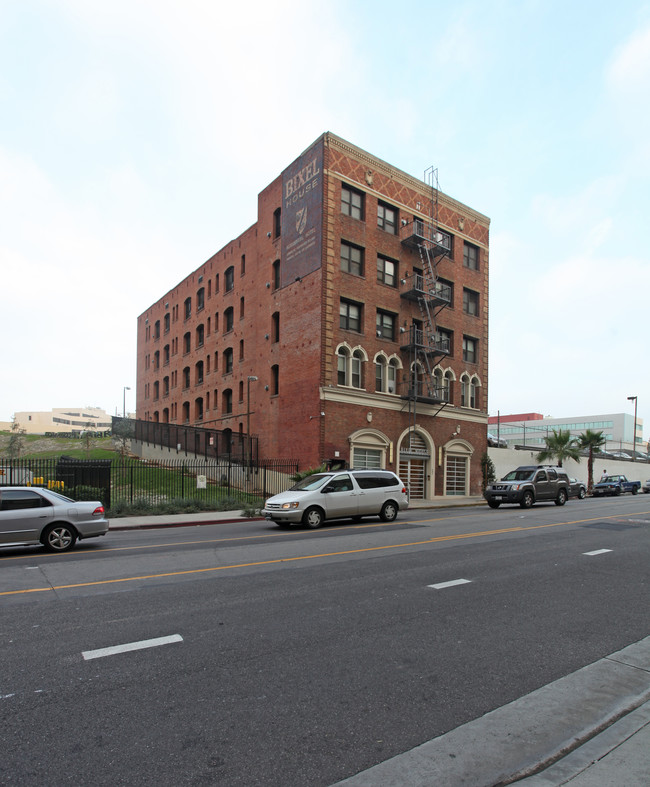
<point>457,462</point>
<point>414,464</point>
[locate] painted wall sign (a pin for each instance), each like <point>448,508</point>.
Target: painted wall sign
<point>302,215</point>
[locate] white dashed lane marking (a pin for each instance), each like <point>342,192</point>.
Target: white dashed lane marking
<point>597,552</point>
<point>442,585</point>
<point>145,643</point>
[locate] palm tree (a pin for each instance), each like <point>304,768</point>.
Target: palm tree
<point>591,441</point>
<point>559,446</point>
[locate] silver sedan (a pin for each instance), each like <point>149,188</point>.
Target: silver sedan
<point>33,515</point>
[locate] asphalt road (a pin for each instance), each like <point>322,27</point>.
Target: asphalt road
<point>267,657</point>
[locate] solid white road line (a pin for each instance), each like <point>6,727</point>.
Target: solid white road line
<point>145,643</point>
<point>597,552</point>
<point>451,584</point>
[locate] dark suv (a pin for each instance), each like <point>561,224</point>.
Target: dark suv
<point>528,485</point>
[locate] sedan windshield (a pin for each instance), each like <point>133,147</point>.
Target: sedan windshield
<point>310,482</point>
<point>518,475</point>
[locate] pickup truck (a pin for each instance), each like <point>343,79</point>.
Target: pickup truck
<point>615,485</point>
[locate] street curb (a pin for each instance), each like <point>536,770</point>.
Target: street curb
<point>526,736</point>
<point>164,525</point>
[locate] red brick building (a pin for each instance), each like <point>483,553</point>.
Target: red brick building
<point>349,322</point>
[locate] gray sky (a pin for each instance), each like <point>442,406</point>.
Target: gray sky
<point>135,137</point>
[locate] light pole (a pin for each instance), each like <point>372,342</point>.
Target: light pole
<point>630,398</point>
<point>250,379</point>
<point>126,388</point>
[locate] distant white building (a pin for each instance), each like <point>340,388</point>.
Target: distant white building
<point>532,429</point>
<point>64,419</point>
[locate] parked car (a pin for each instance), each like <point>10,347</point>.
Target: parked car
<point>646,486</point>
<point>33,515</point>
<point>496,442</point>
<point>528,485</point>
<point>577,488</point>
<point>615,485</point>
<point>338,495</point>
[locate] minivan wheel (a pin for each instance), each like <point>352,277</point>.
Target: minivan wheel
<point>560,500</point>
<point>527,500</point>
<point>388,512</point>
<point>59,538</point>
<point>313,517</point>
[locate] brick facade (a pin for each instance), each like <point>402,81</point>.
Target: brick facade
<point>283,281</point>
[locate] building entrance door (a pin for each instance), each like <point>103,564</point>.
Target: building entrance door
<point>412,472</point>
<point>414,457</point>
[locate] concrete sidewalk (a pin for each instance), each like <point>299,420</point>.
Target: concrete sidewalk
<point>588,729</point>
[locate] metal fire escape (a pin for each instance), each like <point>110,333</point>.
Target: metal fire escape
<point>425,345</point>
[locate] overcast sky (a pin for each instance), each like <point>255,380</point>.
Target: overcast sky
<point>135,136</point>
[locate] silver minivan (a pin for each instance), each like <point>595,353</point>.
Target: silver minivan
<point>337,495</point>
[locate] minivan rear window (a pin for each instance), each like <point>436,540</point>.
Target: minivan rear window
<point>375,480</point>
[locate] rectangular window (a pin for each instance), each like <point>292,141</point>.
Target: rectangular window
<point>385,325</point>
<point>470,302</point>
<point>387,271</point>
<point>352,202</point>
<point>470,256</point>
<point>470,349</point>
<point>350,316</point>
<point>188,308</point>
<point>351,259</point>
<point>200,299</point>
<point>445,340</point>
<point>387,218</point>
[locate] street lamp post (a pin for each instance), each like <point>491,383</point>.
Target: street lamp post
<point>630,398</point>
<point>126,388</point>
<point>250,379</point>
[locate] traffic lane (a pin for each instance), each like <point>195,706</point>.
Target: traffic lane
<point>230,533</point>
<point>330,670</point>
<point>198,556</point>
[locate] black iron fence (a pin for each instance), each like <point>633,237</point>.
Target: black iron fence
<point>201,441</point>
<point>132,480</point>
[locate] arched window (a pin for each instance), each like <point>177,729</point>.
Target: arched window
<point>186,377</point>
<point>200,335</point>
<point>227,361</point>
<point>186,413</point>
<point>226,401</point>
<point>276,275</point>
<point>228,319</point>
<point>474,385</point>
<point>356,375</point>
<point>198,408</point>
<point>464,390</point>
<point>343,355</point>
<point>380,373</point>
<point>275,380</point>
<point>199,372</point>
<point>275,327</point>
<point>187,342</point>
